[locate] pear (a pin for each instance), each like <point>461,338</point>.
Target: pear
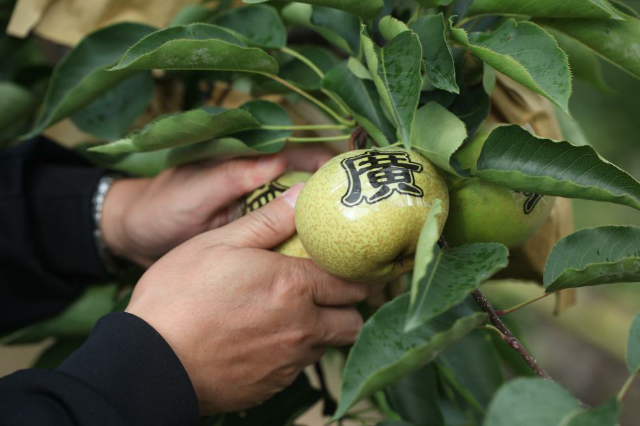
<point>359,217</point>
<point>481,211</point>
<point>267,193</point>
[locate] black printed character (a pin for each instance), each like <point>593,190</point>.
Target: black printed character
<point>531,202</point>
<point>388,171</point>
<point>263,195</point>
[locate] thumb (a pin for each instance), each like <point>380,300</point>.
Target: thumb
<point>266,227</point>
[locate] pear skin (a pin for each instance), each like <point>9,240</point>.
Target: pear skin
<point>359,217</point>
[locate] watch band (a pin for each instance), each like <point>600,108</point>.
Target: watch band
<point>108,260</point>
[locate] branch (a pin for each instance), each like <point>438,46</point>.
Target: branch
<point>508,337</point>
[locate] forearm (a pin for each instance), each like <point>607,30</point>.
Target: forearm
<point>125,373</point>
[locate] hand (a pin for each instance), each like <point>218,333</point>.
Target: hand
<point>145,218</point>
<point>245,321</point>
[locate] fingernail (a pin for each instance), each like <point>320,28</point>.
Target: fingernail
<point>265,163</point>
<point>291,194</point>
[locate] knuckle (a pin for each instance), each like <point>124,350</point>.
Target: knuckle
<point>270,223</point>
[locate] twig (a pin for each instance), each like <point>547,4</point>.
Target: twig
<point>521,305</point>
<point>358,139</point>
<point>506,334</point>
<point>508,337</point>
<point>627,385</point>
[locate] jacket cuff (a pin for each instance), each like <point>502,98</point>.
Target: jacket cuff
<point>134,368</point>
<point>63,192</point>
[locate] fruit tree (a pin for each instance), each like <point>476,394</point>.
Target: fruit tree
<point>456,154</point>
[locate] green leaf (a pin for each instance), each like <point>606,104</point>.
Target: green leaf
<point>258,26</point>
<point>362,100</point>
<point>250,142</point>
<point>633,346</point>
<point>437,134</point>
<point>571,129</point>
<point>55,354</point>
<point>606,415</point>
<point>416,398</point>
<point>472,366</point>
<point>196,47</point>
<point>603,255</point>
<point>190,14</point>
<point>615,41</point>
<point>337,27</point>
<point>366,9</point>
<point>81,76</point>
<point>584,63</point>
<point>472,106</point>
<point>515,158</point>
<point>625,9</point>
<point>76,321</point>
<point>545,8</point>
<point>129,98</point>
<point>282,409</point>
<point>427,245</point>
<point>16,104</point>
<point>396,73</point>
<point>391,27</point>
<point>451,276</point>
<point>530,402</point>
<point>434,3</point>
<point>183,129</point>
<point>437,59</point>
<point>526,53</point>
<point>383,353</point>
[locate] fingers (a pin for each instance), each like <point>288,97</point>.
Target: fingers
<point>266,227</point>
<point>324,288</point>
<point>340,326</point>
<point>308,158</point>
<point>231,180</point>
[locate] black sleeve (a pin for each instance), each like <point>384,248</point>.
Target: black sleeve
<point>47,251</point>
<point>124,374</point>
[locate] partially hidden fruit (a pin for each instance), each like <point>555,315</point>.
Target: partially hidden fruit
<point>359,217</point>
<point>481,211</point>
<point>267,193</point>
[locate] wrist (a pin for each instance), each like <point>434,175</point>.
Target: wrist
<point>116,207</point>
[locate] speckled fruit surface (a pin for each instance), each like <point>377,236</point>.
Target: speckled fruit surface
<point>360,215</point>
<point>266,193</point>
<point>481,211</point>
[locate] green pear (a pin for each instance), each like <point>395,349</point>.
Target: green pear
<point>268,192</point>
<point>481,211</point>
<point>359,217</point>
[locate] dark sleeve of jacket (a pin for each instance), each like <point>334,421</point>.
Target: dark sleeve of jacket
<point>47,251</point>
<point>125,373</point>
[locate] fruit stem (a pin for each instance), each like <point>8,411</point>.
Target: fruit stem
<point>308,127</point>
<point>318,139</point>
<point>312,99</point>
<point>383,406</point>
<point>303,59</point>
<point>522,305</point>
<point>507,336</point>
<point>627,385</point>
